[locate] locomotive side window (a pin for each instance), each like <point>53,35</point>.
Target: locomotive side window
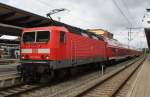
<point>42,36</point>
<point>62,36</point>
<point>29,37</point>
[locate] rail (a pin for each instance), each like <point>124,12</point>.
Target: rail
<point>9,79</point>
<point>111,84</point>
<point>84,89</point>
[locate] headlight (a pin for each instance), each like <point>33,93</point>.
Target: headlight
<point>46,57</point>
<point>24,56</point>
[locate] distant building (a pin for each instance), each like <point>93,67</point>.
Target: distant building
<point>102,32</point>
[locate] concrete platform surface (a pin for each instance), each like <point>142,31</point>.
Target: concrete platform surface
<point>141,85</point>
<point>8,68</point>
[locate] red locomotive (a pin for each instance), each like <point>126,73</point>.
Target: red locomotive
<point>45,50</point>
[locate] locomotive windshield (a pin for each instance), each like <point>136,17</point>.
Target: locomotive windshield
<point>37,36</point>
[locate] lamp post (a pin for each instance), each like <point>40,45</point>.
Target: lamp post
<point>129,33</point>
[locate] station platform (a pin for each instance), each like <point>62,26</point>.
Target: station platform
<point>1,60</point>
<point>141,85</point>
<point>8,61</point>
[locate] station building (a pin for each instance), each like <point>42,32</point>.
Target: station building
<point>102,32</point>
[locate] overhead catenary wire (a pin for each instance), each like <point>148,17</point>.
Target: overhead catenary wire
<point>122,13</point>
<point>73,16</point>
<point>82,20</point>
<point>144,16</point>
<point>134,28</point>
<point>127,8</point>
<point>44,3</point>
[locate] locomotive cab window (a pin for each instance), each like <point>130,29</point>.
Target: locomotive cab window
<point>36,36</point>
<point>42,36</point>
<point>62,36</point>
<point>29,37</point>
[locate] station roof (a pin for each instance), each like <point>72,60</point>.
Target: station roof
<point>9,30</point>
<point>147,32</point>
<point>9,41</point>
<point>15,19</point>
<point>13,16</point>
<point>12,20</point>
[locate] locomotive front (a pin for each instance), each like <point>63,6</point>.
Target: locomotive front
<point>35,51</point>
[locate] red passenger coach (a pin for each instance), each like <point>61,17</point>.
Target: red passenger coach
<point>46,49</point>
<point>117,51</point>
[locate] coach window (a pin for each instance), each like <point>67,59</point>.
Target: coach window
<point>114,50</point>
<point>62,36</point>
<point>100,38</point>
<point>94,37</point>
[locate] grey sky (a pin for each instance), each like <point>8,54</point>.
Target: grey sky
<point>94,14</point>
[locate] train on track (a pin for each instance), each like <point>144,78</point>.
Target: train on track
<point>46,51</point>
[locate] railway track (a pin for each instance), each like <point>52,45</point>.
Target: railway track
<point>18,89</point>
<point>55,91</point>
<point>106,86</point>
<point>8,61</point>
<point>111,85</point>
<point>12,85</point>
<point>9,79</point>
<point>64,88</point>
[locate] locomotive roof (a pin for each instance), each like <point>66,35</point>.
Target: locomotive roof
<point>13,16</point>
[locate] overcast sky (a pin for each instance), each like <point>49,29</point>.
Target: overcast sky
<point>88,14</point>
